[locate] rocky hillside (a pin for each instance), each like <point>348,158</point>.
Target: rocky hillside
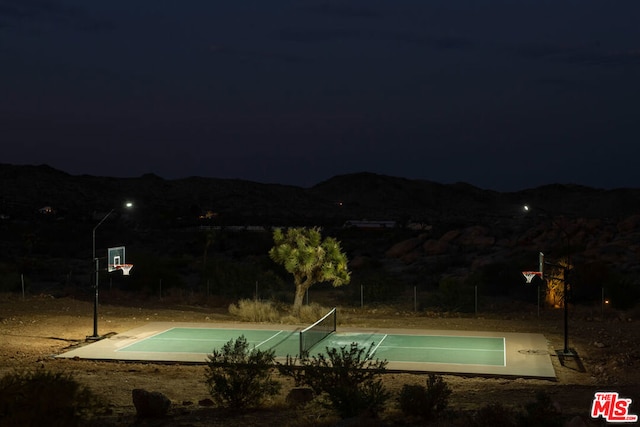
<point>439,229</point>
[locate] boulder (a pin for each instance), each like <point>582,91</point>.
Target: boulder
<point>435,247</point>
<point>406,246</point>
<point>150,404</point>
<point>450,236</point>
<point>476,236</point>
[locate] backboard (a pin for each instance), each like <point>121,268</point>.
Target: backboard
<point>115,257</point>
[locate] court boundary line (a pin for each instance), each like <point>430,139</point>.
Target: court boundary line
<point>145,338</point>
<point>504,351</point>
<point>372,352</point>
<point>268,339</point>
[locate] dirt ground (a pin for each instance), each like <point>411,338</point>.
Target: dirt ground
<point>35,329</point>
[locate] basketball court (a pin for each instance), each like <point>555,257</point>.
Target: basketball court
<point>479,353</point>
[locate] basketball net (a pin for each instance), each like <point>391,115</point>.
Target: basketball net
<point>126,268</point>
<point>529,275</point>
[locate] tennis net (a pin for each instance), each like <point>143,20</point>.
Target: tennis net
<point>315,333</point>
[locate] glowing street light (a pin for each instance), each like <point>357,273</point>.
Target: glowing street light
<point>96,260</point>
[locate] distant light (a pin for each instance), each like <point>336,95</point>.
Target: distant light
<point>128,205</point>
<point>525,207</point>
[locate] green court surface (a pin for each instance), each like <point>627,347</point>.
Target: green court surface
<point>200,340</point>
<point>485,353</point>
<point>396,348</point>
<point>428,348</point>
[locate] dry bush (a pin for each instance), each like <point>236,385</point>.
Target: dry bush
<point>426,402</point>
<point>266,311</point>
<point>255,311</point>
<point>307,314</point>
<point>240,377</point>
<point>345,379</point>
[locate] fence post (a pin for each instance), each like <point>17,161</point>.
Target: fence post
<point>476,298</point>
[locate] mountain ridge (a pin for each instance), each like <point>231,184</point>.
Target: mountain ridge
<point>357,195</point>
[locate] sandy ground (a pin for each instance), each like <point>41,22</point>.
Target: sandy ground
<point>35,329</point>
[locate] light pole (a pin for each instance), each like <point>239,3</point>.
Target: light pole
<point>96,261</point>
<point>565,280</point>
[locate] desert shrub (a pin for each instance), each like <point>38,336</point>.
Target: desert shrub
<point>308,314</point>
<point>255,311</point>
<point>267,311</point>
<point>238,377</point>
<point>541,412</point>
<point>493,415</point>
<point>345,378</point>
<point>38,398</point>
<point>425,402</point>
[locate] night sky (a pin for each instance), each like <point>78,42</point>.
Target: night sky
<point>501,94</point>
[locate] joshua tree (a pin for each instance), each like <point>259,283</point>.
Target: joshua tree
<point>310,259</point>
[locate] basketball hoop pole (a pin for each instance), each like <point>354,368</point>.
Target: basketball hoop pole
<point>565,297</point>
<point>95,335</point>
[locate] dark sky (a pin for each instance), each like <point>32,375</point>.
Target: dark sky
<point>501,94</point>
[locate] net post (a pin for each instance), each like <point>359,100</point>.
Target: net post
<point>301,346</point>
<point>313,334</point>
<point>335,319</point>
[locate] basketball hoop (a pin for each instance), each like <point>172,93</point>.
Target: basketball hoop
<point>529,275</point>
<point>126,268</point>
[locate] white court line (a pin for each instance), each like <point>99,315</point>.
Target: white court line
<point>504,346</point>
<point>443,348</point>
<point>158,337</point>
<point>504,352</point>
<point>269,339</point>
<point>372,352</point>
<point>139,340</point>
<point>185,339</point>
